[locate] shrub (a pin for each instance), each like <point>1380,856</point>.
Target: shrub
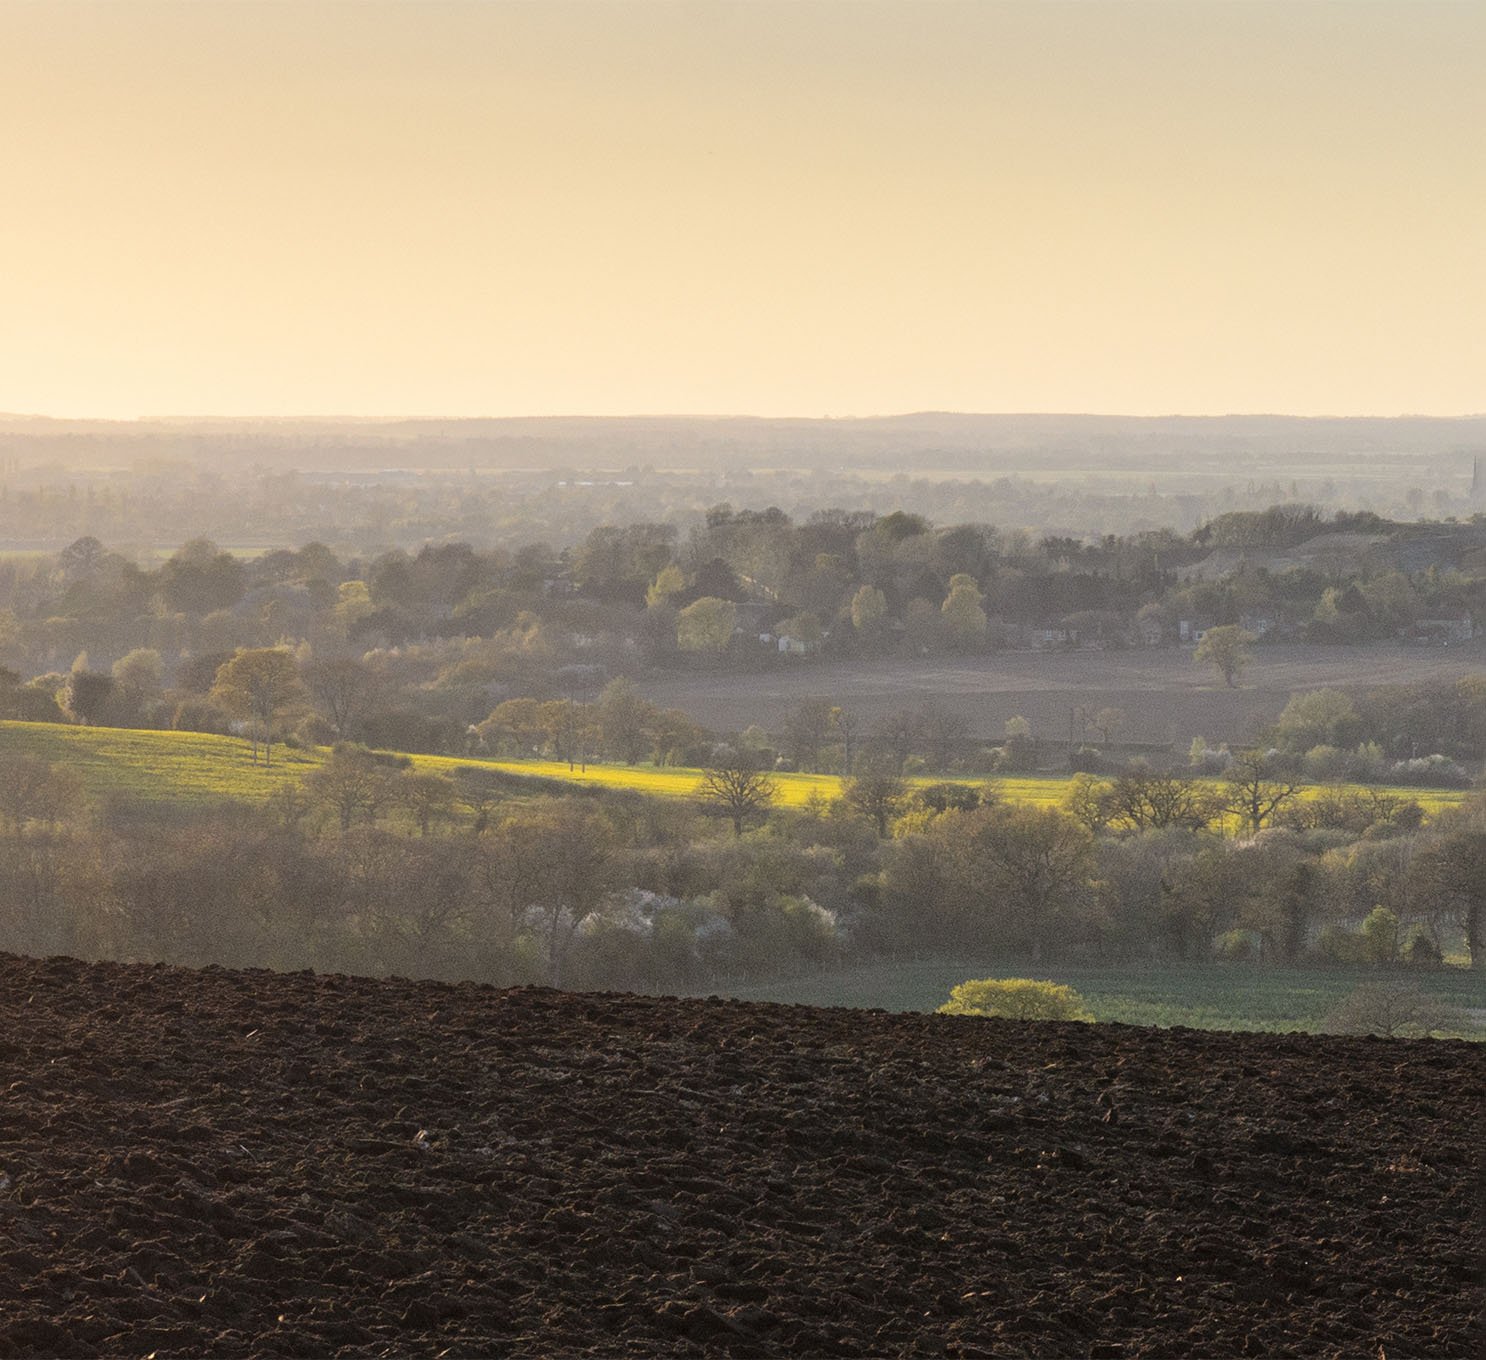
<point>1395,1008</point>
<point>1016,999</point>
<point>1421,951</point>
<point>1337,944</point>
<point>1235,946</point>
<point>1380,937</point>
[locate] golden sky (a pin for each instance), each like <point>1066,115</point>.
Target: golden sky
<point>800,208</point>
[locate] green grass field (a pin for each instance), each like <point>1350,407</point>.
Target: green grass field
<point>196,768</point>
<point>1232,997</point>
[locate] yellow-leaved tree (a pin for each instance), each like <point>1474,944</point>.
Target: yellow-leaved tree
<point>1016,999</point>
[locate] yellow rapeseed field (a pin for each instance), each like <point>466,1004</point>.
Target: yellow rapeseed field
<point>196,768</point>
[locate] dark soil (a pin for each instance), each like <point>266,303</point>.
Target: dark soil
<point>230,1163</point>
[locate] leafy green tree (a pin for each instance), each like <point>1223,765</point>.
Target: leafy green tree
<point>199,579</point>
<point>669,582</point>
<point>1226,648</point>
<point>1016,999</point>
<point>1319,717</point>
<point>706,625</point>
<point>1380,936</point>
<point>140,672</point>
<point>962,612</point>
<point>87,696</point>
<point>868,611</point>
<point>259,684</point>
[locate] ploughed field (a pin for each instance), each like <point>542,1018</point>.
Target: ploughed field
<point>229,1163</point>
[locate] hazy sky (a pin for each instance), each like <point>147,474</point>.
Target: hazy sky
<point>465,208</point>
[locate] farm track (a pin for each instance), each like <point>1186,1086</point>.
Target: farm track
<point>233,1163</point>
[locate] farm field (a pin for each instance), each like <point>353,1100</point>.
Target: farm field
<point>257,1163</point>
<point>198,768</point>
<point>1226,997</point>
<point>1165,695</point>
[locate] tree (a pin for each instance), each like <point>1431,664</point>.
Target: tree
<point>561,864</point>
<point>893,736</point>
<point>1227,649</point>
<point>86,696</point>
<point>669,581</point>
<point>521,721</point>
<point>806,729</point>
<point>427,797</point>
<point>1032,865</point>
<point>1381,937</point>
<point>258,684</point>
<point>877,793</point>
<point>1016,999</point>
<point>962,612</point>
<point>737,790</point>
<point>868,611</point>
<point>1255,797</point>
<point>140,672</point>
<point>706,625</point>
<point>33,791</point>
<point>1393,1008</point>
<point>344,689</point>
<point>1450,872</point>
<point>1106,722</point>
<point>625,719</point>
<point>849,725</point>
<point>199,579</point>
<point>1151,800</point>
<point>352,783</point>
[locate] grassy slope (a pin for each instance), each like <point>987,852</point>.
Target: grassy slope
<point>193,767</point>
<point>1228,997</point>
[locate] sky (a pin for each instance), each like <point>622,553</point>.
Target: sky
<point>809,209</point>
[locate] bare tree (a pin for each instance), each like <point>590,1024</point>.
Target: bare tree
<point>428,797</point>
<point>1254,795</point>
<point>33,791</point>
<point>1151,800</point>
<point>878,794</point>
<point>1392,1007</point>
<point>736,790</point>
<point>352,783</point>
<point>343,687</point>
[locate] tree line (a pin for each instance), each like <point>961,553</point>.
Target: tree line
<point>368,865</point>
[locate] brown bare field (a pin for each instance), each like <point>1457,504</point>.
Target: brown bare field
<point>248,1163</point>
<point>1165,694</point>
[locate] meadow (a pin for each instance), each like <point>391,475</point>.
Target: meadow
<point>196,768</point>
<point>1215,996</point>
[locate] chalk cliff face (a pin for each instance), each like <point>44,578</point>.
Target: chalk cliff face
<point>231,1163</point>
